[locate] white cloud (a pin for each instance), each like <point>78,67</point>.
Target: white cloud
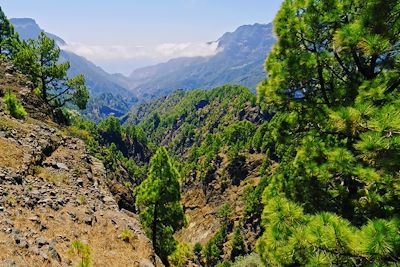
<point>161,51</point>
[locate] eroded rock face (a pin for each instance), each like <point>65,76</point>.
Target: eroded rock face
<point>52,192</point>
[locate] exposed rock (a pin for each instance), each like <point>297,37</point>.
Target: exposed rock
<point>62,166</point>
<point>41,241</point>
<point>21,242</point>
<point>88,220</point>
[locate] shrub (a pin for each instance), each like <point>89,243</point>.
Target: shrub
<point>252,260</point>
<point>83,251</point>
<point>14,106</point>
<point>213,250</point>
<point>224,264</point>
<point>82,200</point>
<point>126,235</point>
<point>181,256</point>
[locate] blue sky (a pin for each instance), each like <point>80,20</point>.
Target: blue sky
<point>121,34</point>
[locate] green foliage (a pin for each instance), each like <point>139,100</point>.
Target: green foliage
<point>252,200</point>
<point>225,214</point>
<point>252,260</point>
<point>197,249</point>
<point>39,60</point>
<point>333,84</point>
<point>239,134</point>
<point>83,251</point>
<point>295,238</point>
<point>82,200</point>
<point>158,198</point>
<point>213,250</point>
<point>237,243</point>
<point>111,130</point>
<point>224,264</point>
<point>7,35</point>
<point>13,106</point>
<point>192,114</point>
<point>181,256</point>
<point>127,235</point>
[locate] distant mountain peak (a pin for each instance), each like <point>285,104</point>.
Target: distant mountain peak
<point>29,29</point>
<point>240,59</point>
<point>23,21</point>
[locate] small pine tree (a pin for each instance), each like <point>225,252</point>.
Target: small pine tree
<point>83,251</point>
<point>158,198</point>
<point>14,106</point>
<point>238,246</point>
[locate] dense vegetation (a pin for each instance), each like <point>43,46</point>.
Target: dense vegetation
<point>333,82</point>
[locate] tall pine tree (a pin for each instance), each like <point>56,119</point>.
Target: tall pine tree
<point>158,198</point>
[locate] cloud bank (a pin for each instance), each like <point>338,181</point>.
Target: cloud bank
<point>159,52</point>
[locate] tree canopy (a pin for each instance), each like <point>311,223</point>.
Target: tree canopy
<point>333,84</point>
<point>7,34</point>
<point>39,59</point>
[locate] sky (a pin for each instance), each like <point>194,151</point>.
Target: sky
<point>122,35</point>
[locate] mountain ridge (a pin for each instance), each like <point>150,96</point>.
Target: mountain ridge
<point>239,60</point>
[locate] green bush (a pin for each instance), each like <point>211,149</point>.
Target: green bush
<point>197,249</point>
<point>82,251</point>
<point>181,256</point>
<point>14,106</point>
<point>252,260</point>
<point>224,264</point>
<point>127,235</point>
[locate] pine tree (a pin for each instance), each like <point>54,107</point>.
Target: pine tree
<point>333,81</point>
<point>7,34</point>
<point>158,198</point>
<point>333,84</point>
<point>39,60</point>
<point>238,246</point>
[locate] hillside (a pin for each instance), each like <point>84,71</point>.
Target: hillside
<point>54,192</point>
<point>212,136</point>
<point>239,61</point>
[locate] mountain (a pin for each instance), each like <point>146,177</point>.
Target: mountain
<point>98,81</point>
<point>239,60</point>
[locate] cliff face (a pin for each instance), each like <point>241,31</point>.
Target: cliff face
<point>52,193</point>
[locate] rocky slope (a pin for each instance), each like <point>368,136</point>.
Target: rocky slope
<point>52,192</point>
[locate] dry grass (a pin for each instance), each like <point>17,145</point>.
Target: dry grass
<point>54,177</point>
<point>11,154</point>
<point>107,248</point>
